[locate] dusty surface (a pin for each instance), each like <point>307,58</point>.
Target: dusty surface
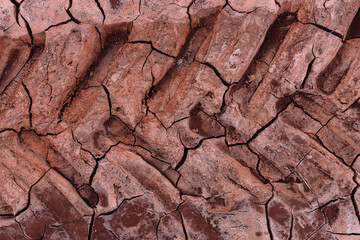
<point>181,119</point>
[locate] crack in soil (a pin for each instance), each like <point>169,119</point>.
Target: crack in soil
<point>182,161</point>
<point>182,221</point>
<point>333,32</point>
<point>291,226</point>
<point>29,194</point>
<point>267,213</point>
<point>309,68</point>
<point>108,98</point>
<point>30,103</point>
<point>70,14</point>
<point>101,10</point>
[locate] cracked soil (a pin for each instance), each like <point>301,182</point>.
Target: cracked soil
<point>180,119</point>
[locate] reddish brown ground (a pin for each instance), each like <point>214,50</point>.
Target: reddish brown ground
<point>181,119</point>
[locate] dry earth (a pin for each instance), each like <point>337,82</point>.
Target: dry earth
<point>179,119</point>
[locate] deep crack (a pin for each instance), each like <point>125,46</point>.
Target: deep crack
<point>101,9</point>
<point>309,68</point>
<point>108,98</point>
<point>30,103</point>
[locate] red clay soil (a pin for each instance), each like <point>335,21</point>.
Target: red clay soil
<point>180,119</point>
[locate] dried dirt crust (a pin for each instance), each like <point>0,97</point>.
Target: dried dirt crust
<point>180,119</point>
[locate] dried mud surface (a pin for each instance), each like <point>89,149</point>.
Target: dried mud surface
<point>180,119</point>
